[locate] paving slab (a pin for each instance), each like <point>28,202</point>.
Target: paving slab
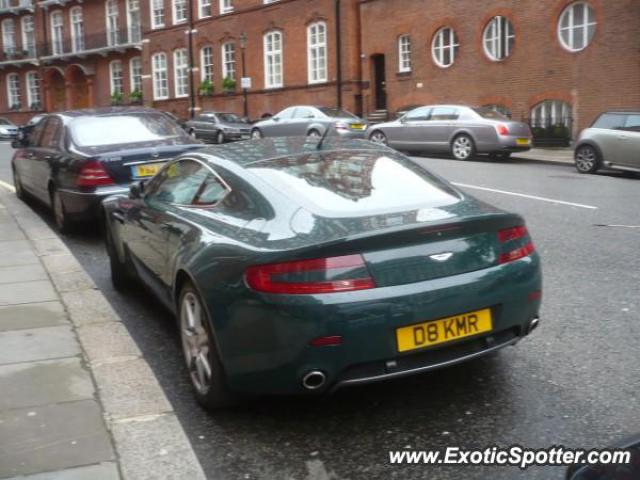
<point>27,292</point>
<point>52,437</point>
<point>49,245</point>
<point>9,230</point>
<point>62,263</point>
<point>70,281</point>
<point>22,273</point>
<point>107,341</point>
<point>37,344</point>
<point>16,252</point>
<point>101,471</point>
<point>88,306</point>
<point>32,315</point>
<point>39,383</point>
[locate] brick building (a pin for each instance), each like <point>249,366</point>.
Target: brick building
<point>557,63</point>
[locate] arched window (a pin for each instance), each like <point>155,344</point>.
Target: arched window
<point>28,36</point>
<point>206,64</point>
<point>551,113</point>
<point>115,77</point>
<point>111,7</point>
<point>9,37</point>
<point>181,72</point>
<point>13,91</point>
<point>273,60</point>
<point>444,47</point>
<point>57,33</point>
<point>498,38</point>
<point>317,52</point>
<point>135,74</point>
<point>33,90</point>
<point>160,80</point>
<point>77,29</point>
<point>229,61</point>
<point>577,26</point>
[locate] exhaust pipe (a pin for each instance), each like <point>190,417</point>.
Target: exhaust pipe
<point>533,325</point>
<point>314,380</point>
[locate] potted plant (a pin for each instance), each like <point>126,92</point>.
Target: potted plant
<point>206,88</point>
<point>15,106</point>
<point>35,106</point>
<point>116,98</point>
<point>229,85</point>
<point>135,97</point>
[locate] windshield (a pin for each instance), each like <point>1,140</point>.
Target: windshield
<point>125,129</point>
<point>229,117</point>
<point>489,113</point>
<point>336,113</point>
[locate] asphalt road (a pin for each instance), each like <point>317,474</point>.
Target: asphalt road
<point>573,383</point>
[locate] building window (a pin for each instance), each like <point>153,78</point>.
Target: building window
<point>111,7</point>
<point>444,47</point>
<point>273,60</point>
<point>134,22</point>
<point>9,37</point>
<point>204,8</point>
<point>404,53</point>
<point>135,74</point>
<point>181,72</point>
<point>115,74</point>
<point>551,113</point>
<point>160,81</point>
<point>157,13</point>
<point>498,38</point>
<point>577,26</point>
<point>77,29</point>
<point>33,90</point>
<point>179,11</point>
<point>13,91</point>
<point>229,60</point>
<point>317,54</point>
<point>28,36</point>
<point>57,33</point>
<point>226,6</point>
<point>206,64</point>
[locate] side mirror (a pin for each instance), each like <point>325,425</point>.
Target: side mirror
<point>136,190</point>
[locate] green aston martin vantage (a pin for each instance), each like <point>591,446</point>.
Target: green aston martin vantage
<point>300,266</point>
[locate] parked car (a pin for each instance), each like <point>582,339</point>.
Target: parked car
<point>613,141</point>
<point>310,121</point>
<point>8,130</point>
<point>72,160</point>
<point>611,471</point>
<point>297,267</point>
<point>218,127</point>
<point>179,121</point>
<point>461,131</point>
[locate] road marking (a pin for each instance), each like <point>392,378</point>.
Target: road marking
<point>523,195</point>
<point>7,186</point>
<point>616,226</point>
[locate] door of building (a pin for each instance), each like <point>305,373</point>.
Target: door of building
<point>379,82</point>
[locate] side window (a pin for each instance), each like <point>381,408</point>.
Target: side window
<point>610,121</point>
<point>178,183</point>
<point>419,114</point>
<point>212,191</point>
<point>286,114</point>
<point>34,133</point>
<point>444,113</point>
<point>633,123</point>
<point>52,133</point>
<point>303,112</point>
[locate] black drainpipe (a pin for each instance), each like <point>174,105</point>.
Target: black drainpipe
<point>192,96</point>
<point>338,55</point>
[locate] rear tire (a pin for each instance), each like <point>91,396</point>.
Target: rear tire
<point>313,134</point>
<point>463,148</point>
<point>18,186</point>
<point>587,159</point>
<point>220,137</point>
<point>60,216</point>
<point>378,136</point>
<point>121,278</point>
<point>206,372</point>
<point>256,134</point>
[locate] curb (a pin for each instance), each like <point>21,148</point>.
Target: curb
<point>148,438</point>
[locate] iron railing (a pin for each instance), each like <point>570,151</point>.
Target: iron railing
<point>551,131</point>
<point>113,39</point>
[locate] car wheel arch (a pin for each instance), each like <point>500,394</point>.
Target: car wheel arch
<point>462,131</point>
<point>591,144</point>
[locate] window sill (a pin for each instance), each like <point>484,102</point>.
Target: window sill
<point>404,75</point>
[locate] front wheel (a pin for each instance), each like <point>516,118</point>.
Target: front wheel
<point>63,223</point>
<point>220,137</point>
<point>587,159</point>
<point>200,353</point>
<point>463,148</point>
<point>313,134</point>
<point>378,137</point>
<point>256,134</point>
<point>121,278</point>
<point>17,184</point>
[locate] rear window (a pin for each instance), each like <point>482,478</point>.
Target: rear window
<point>610,121</point>
<point>490,114</point>
<point>336,113</point>
<point>229,117</point>
<point>348,183</point>
<point>103,131</point>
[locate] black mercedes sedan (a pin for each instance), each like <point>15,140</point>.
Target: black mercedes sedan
<point>72,160</point>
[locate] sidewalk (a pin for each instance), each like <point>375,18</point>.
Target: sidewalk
<point>78,401</point>
<point>551,155</point>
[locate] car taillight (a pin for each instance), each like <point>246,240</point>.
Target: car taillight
<point>93,174</point>
<point>516,242</point>
<point>323,275</point>
<point>503,130</point>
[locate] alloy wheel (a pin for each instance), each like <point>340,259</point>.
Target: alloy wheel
<point>220,138</point>
<point>314,134</point>
<point>586,159</point>
<point>196,343</point>
<point>462,147</point>
<point>256,134</point>
<point>378,137</point>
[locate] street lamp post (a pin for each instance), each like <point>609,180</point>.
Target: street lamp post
<point>243,46</point>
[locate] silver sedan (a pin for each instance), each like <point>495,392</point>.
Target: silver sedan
<point>461,131</point>
<point>310,121</point>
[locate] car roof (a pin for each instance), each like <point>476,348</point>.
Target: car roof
<point>104,111</point>
<point>622,112</point>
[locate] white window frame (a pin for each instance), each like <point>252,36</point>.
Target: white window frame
<point>181,73</point>
<point>134,21</point>
<point>273,59</point>
<point>135,71</point>
<point>588,23</point>
<point>226,6</point>
<point>182,7</point>
<point>32,79</point>
<point>77,37</point>
<point>497,37</point>
<point>206,64</point>
<point>160,76</point>
<point>57,41</point>
<point>317,46</point>
<point>9,46</point>
<point>229,60</point>
<point>404,53</point>
<point>116,77</point>
<point>27,25</point>
<point>13,90</point>
<point>438,46</point>
<point>202,4</point>
<point>112,14</point>
<point>157,6</point>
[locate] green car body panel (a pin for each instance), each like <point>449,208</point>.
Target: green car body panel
<point>290,201</point>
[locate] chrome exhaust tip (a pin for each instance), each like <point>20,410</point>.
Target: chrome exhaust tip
<point>314,380</point>
<point>533,325</point>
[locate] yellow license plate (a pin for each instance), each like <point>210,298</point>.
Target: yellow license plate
<point>357,126</point>
<point>147,170</point>
<point>443,330</point>
<point>523,141</point>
